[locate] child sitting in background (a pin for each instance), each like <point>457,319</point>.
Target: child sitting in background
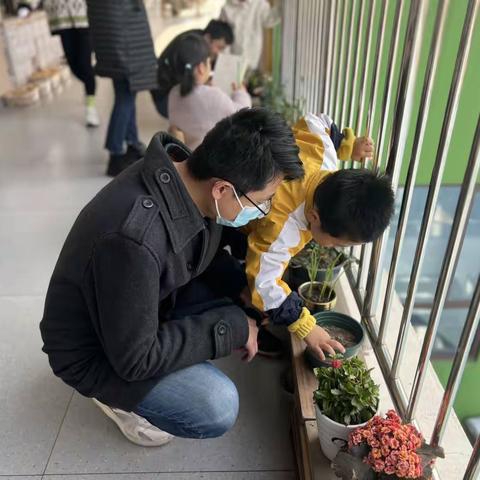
<point>193,106</point>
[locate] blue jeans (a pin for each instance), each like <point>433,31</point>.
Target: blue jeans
<point>123,120</point>
<point>196,402</point>
<point>199,401</point>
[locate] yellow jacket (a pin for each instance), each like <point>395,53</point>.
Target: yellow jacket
<point>276,238</point>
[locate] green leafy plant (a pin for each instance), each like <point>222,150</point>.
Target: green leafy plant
<point>315,257</point>
<point>328,283</point>
<point>313,266</point>
<point>273,97</point>
<point>346,391</point>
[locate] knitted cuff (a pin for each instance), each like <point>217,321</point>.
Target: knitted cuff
<point>304,325</point>
<point>346,147</point>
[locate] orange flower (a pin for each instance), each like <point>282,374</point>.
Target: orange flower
<point>385,451</point>
<point>379,466</point>
<point>389,469</point>
<point>376,453</point>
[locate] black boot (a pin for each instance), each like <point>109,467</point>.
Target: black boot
<point>118,163</point>
<point>137,150</point>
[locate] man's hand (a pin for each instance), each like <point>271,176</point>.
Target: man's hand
<point>251,347</point>
<point>319,341</point>
<point>362,148</point>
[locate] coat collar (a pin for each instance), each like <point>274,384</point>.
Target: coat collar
<point>180,214</point>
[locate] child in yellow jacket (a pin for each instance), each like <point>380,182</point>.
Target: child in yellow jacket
<point>335,208</point>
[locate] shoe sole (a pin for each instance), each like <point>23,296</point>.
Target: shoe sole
<point>111,415</point>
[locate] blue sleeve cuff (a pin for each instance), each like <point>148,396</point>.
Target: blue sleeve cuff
<point>336,136</point>
<point>288,312</point>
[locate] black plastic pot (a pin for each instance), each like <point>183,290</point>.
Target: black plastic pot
<point>297,275</point>
<point>342,321</point>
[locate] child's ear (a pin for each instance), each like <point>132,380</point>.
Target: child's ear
<point>200,69</point>
<point>313,218</point>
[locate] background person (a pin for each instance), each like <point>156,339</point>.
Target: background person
<point>68,19</point>
<point>124,50</point>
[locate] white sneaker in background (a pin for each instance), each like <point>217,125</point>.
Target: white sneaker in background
<point>92,118</point>
<point>135,428</point>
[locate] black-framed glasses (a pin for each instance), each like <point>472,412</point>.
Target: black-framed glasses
<point>264,207</point>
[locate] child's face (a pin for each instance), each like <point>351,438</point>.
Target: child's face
<point>323,238</point>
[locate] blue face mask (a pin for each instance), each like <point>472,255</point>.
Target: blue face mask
<point>246,214</point>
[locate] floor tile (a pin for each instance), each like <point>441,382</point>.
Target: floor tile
<point>30,245</point>
<point>66,194</point>
<point>21,477</point>
<point>33,400</point>
<point>90,443</point>
<point>274,475</point>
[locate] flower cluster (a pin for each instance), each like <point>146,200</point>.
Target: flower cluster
<point>392,446</point>
<point>336,363</point>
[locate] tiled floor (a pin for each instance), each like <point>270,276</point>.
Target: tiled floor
<point>50,166</point>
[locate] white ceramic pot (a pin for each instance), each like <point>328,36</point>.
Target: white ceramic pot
<point>332,435</point>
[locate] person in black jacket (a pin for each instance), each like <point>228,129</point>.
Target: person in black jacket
<point>218,36</point>
<point>124,51</point>
<point>138,301</point>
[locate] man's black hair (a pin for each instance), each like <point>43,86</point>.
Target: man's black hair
<point>355,204</point>
<point>218,29</point>
<point>248,149</point>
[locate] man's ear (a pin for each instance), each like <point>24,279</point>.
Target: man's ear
<point>313,218</point>
<point>220,188</point>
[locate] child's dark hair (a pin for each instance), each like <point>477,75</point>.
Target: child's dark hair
<point>191,50</point>
<point>249,149</point>
<point>218,29</point>
<point>355,204</point>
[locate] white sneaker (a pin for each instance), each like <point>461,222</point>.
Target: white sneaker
<point>92,118</point>
<point>136,428</point>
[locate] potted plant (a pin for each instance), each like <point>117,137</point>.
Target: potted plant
<point>298,267</point>
<point>346,398</point>
<point>319,296</point>
<point>272,96</point>
<point>342,328</point>
<point>386,448</point>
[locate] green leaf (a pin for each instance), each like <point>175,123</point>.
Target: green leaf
<point>347,394</point>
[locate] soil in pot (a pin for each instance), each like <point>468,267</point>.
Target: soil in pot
<point>345,337</point>
<point>317,297</point>
<point>344,329</point>
<point>314,293</point>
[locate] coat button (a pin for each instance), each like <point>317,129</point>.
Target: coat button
<point>147,203</point>
<point>222,330</point>
<point>189,266</point>
<point>165,177</point>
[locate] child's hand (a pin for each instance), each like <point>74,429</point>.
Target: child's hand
<point>319,341</point>
<point>362,148</point>
<point>238,86</point>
